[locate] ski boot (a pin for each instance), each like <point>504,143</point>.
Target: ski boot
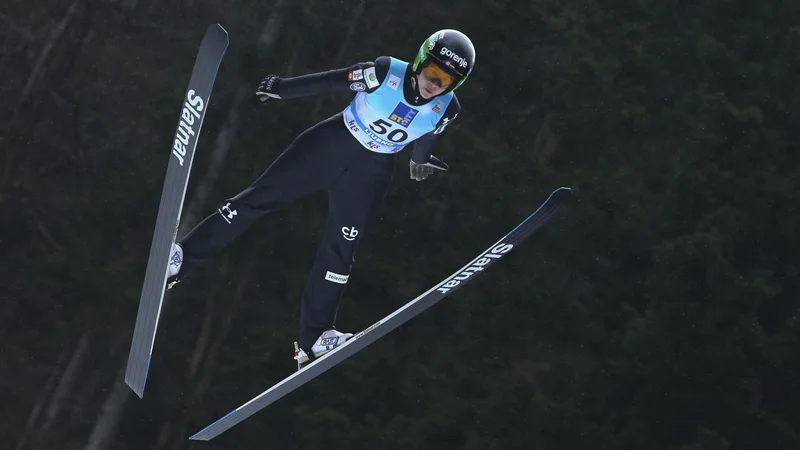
<point>326,342</point>
<point>175,263</point>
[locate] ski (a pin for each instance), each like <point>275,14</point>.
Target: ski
<point>411,309</point>
<point>193,111</point>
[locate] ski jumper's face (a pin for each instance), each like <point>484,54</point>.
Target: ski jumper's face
<point>433,81</point>
<point>427,88</point>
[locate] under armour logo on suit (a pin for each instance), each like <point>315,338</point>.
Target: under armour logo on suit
<point>227,212</point>
<point>349,233</point>
<point>445,122</point>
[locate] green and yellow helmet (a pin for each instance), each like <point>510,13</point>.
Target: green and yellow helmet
<point>452,50</point>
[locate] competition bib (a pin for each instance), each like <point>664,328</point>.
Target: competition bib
<point>382,121</point>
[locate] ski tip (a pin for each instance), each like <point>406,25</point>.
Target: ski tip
<point>562,194</point>
<point>218,27</point>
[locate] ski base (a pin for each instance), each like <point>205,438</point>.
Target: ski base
<point>413,308</point>
<point>195,105</point>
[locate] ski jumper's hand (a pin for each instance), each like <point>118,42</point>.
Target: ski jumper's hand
<point>420,172</point>
<point>423,163</point>
<point>268,88</point>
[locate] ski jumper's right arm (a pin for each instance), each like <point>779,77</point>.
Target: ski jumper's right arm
<point>363,76</point>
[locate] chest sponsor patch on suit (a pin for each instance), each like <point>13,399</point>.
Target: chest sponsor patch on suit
<point>403,115</point>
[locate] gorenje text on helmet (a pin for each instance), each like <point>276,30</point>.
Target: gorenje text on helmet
<point>458,59</point>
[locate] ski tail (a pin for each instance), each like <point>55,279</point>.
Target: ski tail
<point>405,313</point>
<point>193,110</point>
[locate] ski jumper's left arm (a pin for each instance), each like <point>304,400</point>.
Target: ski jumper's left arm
<point>421,152</point>
<point>363,76</point>
<point>422,162</point>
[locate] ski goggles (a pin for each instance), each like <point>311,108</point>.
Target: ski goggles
<point>437,75</point>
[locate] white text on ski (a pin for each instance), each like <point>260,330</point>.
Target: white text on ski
<point>191,108</point>
<point>495,253</point>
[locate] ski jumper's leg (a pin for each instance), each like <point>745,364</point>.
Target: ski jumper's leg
<point>307,165</point>
<point>353,201</point>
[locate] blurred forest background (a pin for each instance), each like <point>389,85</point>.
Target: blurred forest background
<point>658,311</point>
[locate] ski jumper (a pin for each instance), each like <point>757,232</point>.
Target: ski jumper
<point>351,155</point>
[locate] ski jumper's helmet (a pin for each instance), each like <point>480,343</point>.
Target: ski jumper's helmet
<point>452,51</point>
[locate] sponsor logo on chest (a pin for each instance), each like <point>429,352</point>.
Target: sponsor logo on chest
<point>403,115</point>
